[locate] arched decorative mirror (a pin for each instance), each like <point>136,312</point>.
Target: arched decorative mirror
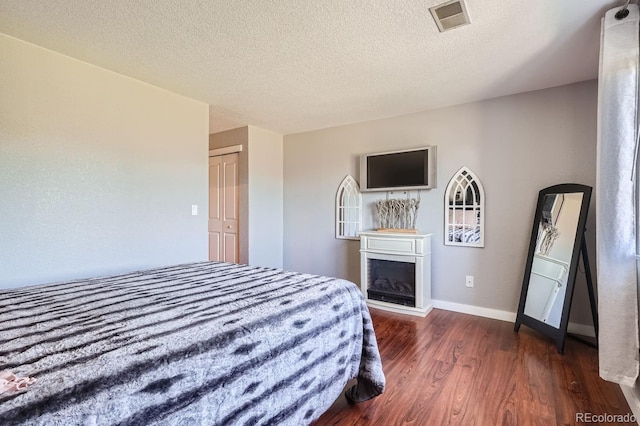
<point>464,210</point>
<point>557,240</point>
<point>348,209</point>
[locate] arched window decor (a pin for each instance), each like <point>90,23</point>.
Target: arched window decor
<point>464,210</point>
<point>348,209</point>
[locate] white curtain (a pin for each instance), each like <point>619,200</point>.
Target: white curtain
<point>615,198</point>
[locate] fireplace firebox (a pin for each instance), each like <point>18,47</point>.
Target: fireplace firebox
<point>396,271</point>
<point>391,281</point>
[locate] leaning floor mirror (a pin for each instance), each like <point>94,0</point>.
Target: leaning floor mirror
<point>557,240</point>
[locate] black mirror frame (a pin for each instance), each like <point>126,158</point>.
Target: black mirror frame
<point>558,334</point>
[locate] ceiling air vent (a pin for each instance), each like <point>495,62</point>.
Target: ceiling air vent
<point>451,14</point>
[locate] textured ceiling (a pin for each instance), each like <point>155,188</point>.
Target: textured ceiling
<point>293,66</point>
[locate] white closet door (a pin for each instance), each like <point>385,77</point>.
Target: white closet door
<point>223,208</point>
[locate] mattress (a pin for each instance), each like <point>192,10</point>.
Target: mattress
<point>204,343</point>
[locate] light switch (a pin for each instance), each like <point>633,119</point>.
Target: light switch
<point>194,210</point>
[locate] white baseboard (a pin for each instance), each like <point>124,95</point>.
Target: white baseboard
<point>581,329</point>
<point>475,310</point>
<point>633,401</point>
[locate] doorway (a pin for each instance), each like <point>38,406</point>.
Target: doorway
<point>223,208</point>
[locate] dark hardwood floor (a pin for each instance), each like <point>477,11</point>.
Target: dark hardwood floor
<point>451,368</point>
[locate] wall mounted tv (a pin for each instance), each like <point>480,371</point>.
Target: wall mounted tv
<point>398,170</point>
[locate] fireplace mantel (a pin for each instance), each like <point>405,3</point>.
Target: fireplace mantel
<point>397,247</point>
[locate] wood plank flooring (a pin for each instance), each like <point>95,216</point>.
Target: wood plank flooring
<point>451,368</point>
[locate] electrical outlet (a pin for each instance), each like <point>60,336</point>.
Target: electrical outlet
<point>469,281</point>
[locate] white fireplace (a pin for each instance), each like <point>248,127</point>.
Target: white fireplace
<point>395,271</point>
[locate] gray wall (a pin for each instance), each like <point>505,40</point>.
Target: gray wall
<point>98,171</point>
<point>516,145</point>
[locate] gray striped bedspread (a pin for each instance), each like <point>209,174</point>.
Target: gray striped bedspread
<point>199,344</point>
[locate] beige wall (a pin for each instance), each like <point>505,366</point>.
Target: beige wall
<point>516,145</point>
<point>98,171</point>
<point>238,136</point>
<point>265,198</point>
<point>261,193</point>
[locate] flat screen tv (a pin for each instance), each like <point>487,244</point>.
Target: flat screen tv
<point>398,170</point>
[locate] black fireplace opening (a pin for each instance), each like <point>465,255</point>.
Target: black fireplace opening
<point>392,281</point>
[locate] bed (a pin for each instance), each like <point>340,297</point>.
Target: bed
<point>464,234</point>
<point>202,343</point>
